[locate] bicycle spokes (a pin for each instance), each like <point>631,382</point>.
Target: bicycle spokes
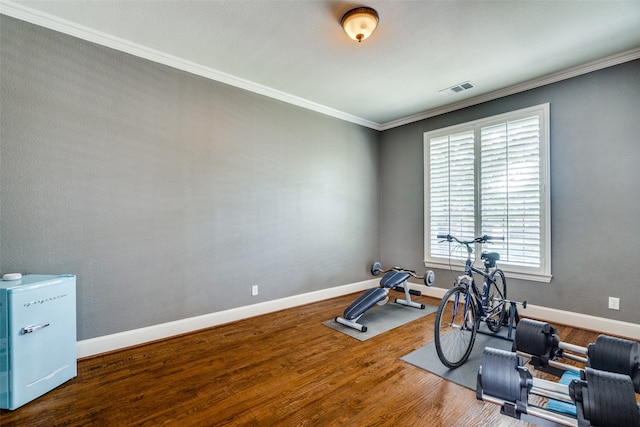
<point>496,300</point>
<point>455,327</point>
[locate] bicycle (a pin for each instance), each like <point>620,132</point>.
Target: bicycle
<point>463,307</point>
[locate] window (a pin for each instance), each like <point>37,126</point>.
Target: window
<point>491,177</point>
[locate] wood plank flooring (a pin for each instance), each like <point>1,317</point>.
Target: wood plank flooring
<point>283,369</point>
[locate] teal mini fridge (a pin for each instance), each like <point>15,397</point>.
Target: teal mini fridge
<point>37,336</point>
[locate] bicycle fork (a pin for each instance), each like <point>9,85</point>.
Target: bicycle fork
<point>456,305</point>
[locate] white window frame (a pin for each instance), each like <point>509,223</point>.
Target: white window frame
<point>542,273</point>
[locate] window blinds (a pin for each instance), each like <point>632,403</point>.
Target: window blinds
<point>486,178</point>
<point>510,189</point>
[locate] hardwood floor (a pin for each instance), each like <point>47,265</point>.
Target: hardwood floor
<point>284,369</point>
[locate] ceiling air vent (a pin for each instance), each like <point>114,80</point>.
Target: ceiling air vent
<point>457,88</point>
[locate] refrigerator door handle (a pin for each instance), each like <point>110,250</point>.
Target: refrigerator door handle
<point>33,328</point>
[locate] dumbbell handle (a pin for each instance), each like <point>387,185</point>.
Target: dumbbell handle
<point>536,412</point>
<point>572,347</point>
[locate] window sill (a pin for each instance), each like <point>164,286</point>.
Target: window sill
<point>509,274</point>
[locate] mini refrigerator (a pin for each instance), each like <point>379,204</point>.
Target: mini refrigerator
<point>37,336</point>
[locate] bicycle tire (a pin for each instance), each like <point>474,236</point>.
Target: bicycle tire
<point>497,290</point>
<point>455,333</point>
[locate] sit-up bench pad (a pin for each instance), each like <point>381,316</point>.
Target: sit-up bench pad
<point>364,303</point>
<point>393,279</point>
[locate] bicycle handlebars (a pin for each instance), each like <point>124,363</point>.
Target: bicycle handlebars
<point>481,239</point>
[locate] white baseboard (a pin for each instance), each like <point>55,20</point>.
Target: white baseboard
<point>552,315</point>
<point>107,343</point>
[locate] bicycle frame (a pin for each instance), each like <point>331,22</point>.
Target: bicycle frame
<point>455,331</point>
<point>472,289</point>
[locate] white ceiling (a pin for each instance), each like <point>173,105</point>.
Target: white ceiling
<point>296,51</point>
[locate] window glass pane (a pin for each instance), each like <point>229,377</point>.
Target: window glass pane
<point>451,186</point>
<point>491,177</point>
<point>510,189</point>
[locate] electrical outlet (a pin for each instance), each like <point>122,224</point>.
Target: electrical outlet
<point>254,290</point>
<point>614,303</point>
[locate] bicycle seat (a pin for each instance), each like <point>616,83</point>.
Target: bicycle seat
<point>490,258</point>
<point>393,279</point>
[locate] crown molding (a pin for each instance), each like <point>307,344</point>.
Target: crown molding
<point>51,22</point>
<point>599,64</point>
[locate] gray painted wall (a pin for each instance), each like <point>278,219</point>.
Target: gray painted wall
<point>167,194</point>
<point>595,191</point>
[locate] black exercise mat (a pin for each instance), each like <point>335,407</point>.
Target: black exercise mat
<point>466,375</point>
<point>379,319</point>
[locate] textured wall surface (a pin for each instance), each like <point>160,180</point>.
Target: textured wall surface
<point>168,194</point>
<point>595,189</point>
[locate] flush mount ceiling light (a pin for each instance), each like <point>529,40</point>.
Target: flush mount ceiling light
<point>360,22</point>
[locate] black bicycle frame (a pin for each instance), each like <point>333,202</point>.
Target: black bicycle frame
<point>469,269</point>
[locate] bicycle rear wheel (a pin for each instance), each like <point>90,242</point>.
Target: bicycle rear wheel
<point>455,328</point>
<point>496,308</point>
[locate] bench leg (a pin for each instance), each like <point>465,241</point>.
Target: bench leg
<point>351,324</point>
<point>407,301</point>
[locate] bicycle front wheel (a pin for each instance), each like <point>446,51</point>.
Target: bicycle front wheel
<point>455,328</point>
